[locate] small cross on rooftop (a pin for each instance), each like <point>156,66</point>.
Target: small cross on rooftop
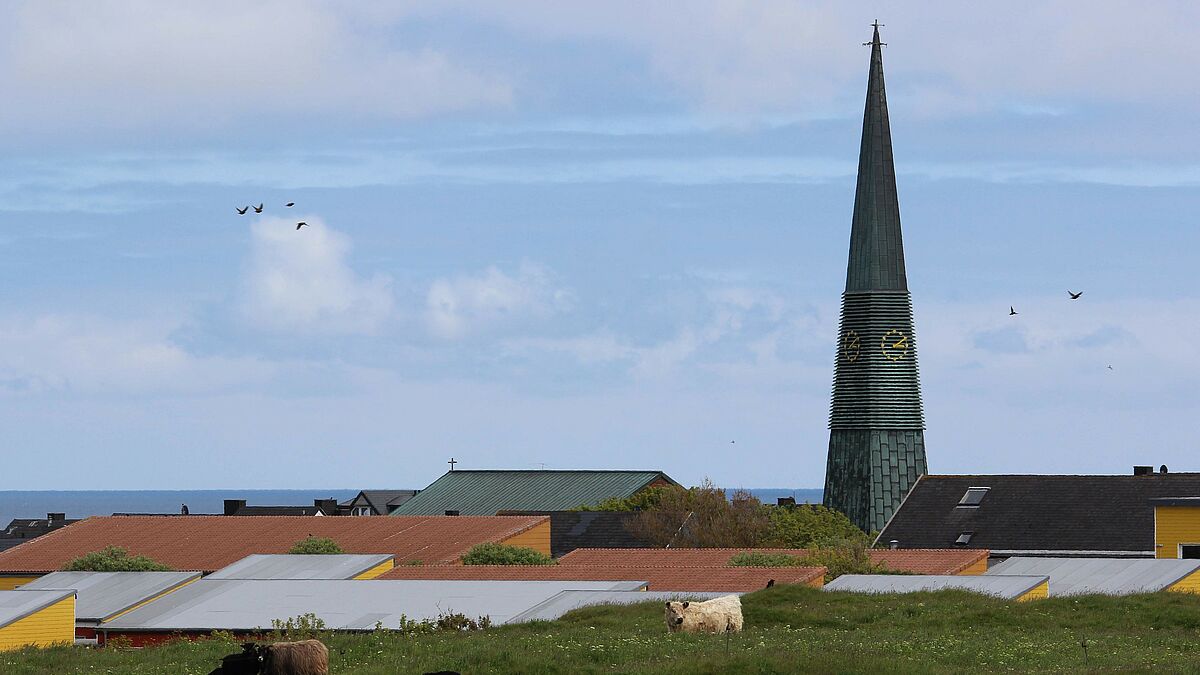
<point>452,462</point>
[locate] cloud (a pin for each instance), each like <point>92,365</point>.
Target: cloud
<point>454,307</point>
<point>301,280</point>
<point>1009,340</point>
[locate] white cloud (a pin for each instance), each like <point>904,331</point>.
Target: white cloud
<point>456,306</point>
<point>301,280</point>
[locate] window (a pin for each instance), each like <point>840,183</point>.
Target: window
<point>964,539</point>
<point>362,510</point>
<point>973,496</point>
<point>1189,551</point>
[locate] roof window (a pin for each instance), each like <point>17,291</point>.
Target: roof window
<point>973,496</point>
<point>964,539</point>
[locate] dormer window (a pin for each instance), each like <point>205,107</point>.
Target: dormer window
<point>973,497</point>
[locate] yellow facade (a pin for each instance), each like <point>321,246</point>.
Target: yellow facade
<point>1039,592</point>
<point>1188,584</point>
<point>378,569</point>
<point>11,583</point>
<point>976,568</point>
<point>536,538</point>
<point>48,626</point>
<point>1175,525</point>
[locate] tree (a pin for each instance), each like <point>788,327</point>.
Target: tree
<point>503,554</point>
<point>701,517</point>
<point>114,559</point>
<point>642,500</point>
<point>763,559</point>
<point>845,557</point>
<point>316,545</point>
<point>805,525</point>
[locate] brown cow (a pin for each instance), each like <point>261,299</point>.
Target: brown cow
<point>309,657</point>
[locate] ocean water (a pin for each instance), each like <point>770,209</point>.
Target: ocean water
<point>84,503</point>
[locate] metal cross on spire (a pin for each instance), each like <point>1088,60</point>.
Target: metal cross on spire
<point>875,38</point>
<point>452,462</point>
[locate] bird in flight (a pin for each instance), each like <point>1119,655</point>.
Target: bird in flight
<point>258,209</point>
<point>1074,296</point>
<point>1110,367</point>
<point>290,204</point>
<point>242,211</point>
<point>300,225</point>
<point>1011,311</point>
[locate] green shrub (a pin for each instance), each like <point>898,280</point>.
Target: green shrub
<point>114,559</point>
<point>316,545</point>
<point>845,557</point>
<point>303,627</point>
<point>761,559</point>
<point>805,525</point>
<point>503,554</point>
<point>643,500</point>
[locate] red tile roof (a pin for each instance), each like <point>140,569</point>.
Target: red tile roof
<point>917,561</point>
<point>718,579</point>
<point>208,543</point>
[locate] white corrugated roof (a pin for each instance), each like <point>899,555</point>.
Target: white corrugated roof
<point>1108,576</point>
<point>290,566</point>
<point>252,604</point>
<point>16,605</point>
<point>100,595</point>
<point>1000,586</point>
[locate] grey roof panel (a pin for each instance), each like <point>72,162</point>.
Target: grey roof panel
<point>251,604</point>
<point>1001,586</point>
<point>289,566</point>
<point>1107,576</point>
<point>16,605</point>
<point>483,493</point>
<point>566,601</point>
<point>100,595</point>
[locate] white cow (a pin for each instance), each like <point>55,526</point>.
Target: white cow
<point>719,615</point>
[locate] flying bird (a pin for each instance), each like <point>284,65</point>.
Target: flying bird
<point>242,211</point>
<point>1074,296</point>
<point>300,225</point>
<point>258,209</point>
<point>1110,367</point>
<point>1011,311</point>
<point>290,204</point>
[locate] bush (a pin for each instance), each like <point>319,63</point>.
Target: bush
<point>316,545</point>
<point>702,517</point>
<point>845,557</point>
<point>114,559</point>
<point>303,627</point>
<point>643,500</point>
<point>503,554</point>
<point>760,559</point>
<point>446,621</point>
<point>806,525</point>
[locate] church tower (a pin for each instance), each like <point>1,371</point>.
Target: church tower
<point>876,422</point>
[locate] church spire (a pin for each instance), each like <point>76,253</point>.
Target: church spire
<point>876,251</point>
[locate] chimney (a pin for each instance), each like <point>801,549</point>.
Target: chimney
<point>894,544</point>
<point>232,506</point>
<point>327,506</point>
<point>1143,470</point>
<point>56,517</point>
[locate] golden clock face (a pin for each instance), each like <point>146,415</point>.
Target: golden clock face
<point>851,345</point>
<point>894,345</point>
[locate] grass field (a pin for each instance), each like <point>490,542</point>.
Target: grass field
<point>788,629</point>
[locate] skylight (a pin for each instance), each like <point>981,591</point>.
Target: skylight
<point>973,496</point>
<point>964,538</point>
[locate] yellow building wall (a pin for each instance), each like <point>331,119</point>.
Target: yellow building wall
<point>378,569</point>
<point>10,583</point>
<point>1175,525</point>
<point>976,568</point>
<point>1188,584</point>
<point>1039,592</point>
<point>536,538</point>
<point>53,625</point>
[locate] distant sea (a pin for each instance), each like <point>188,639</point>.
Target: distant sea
<point>84,503</point>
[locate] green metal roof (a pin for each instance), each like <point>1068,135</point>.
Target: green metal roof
<point>483,493</point>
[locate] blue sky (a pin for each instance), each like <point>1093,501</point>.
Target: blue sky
<point>580,236</point>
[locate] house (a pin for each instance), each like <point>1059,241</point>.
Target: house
<point>570,530</point>
<point>488,492</point>
<point>250,606</point>
<point>313,566</point>
<point>36,619</point>
<point>103,596</point>
<point>21,530</point>
<point>377,502</point>
<point>1021,588</point>
<point>677,579</point>
<point>209,543</point>
<point>1176,527</point>
<point>1037,515</point>
<point>320,507</point>
<point>1107,576</point>
<point>937,561</point>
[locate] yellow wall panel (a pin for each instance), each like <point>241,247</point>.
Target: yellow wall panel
<point>1188,584</point>
<point>536,538</point>
<point>10,583</point>
<point>378,569</point>
<point>976,568</point>
<point>49,626</point>
<point>1039,592</point>
<point>1175,525</point>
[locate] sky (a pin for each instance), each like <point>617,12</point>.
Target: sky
<point>580,235</point>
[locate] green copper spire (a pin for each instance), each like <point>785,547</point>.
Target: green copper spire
<point>876,421</point>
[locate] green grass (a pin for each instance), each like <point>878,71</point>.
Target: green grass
<point>788,629</point>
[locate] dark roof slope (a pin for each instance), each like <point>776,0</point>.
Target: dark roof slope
<point>1037,513</point>
<point>485,493</point>
<point>382,501</point>
<point>570,530</point>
